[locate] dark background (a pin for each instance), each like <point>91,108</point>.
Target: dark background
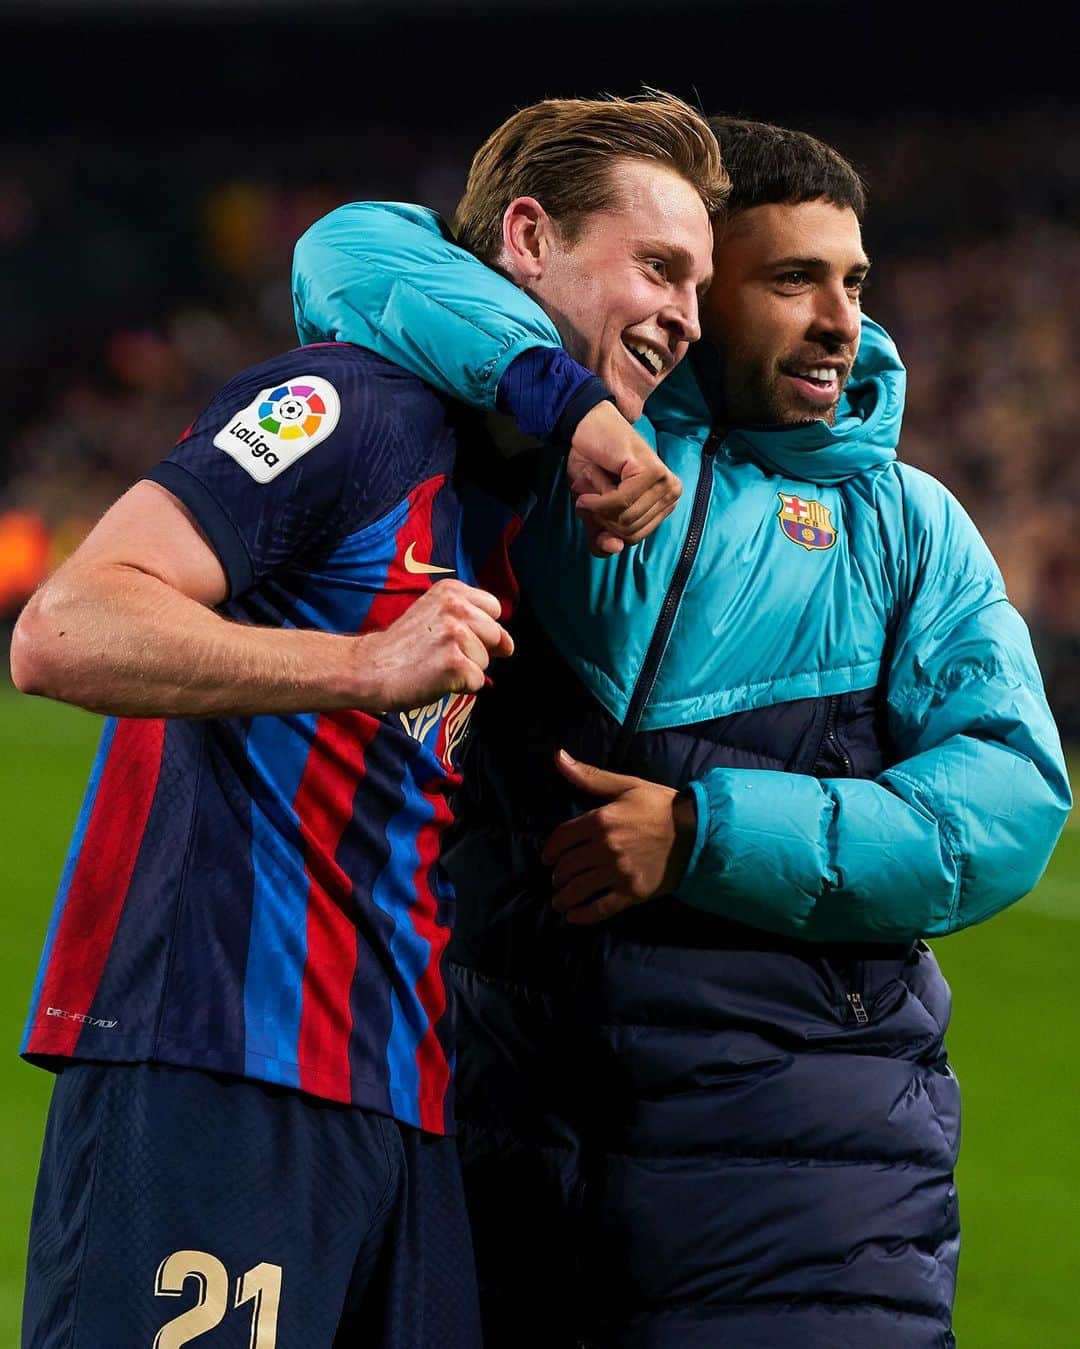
<point>280,67</point>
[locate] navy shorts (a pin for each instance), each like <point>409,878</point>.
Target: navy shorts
<point>176,1207</point>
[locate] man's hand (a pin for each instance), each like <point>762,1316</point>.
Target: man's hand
<point>621,487</point>
<point>623,853</point>
<point>127,627</point>
<point>442,644</point>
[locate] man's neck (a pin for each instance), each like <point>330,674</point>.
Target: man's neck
<point>705,360</point>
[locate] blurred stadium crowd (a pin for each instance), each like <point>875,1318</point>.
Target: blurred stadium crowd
<point>133,289</point>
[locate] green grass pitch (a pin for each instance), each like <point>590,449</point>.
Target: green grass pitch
<point>1014,1017</point>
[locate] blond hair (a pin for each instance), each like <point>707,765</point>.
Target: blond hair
<point>561,151</point>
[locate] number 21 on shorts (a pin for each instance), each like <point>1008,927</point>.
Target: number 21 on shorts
<point>260,1285</point>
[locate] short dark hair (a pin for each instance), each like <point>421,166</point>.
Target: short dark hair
<point>775,165</point>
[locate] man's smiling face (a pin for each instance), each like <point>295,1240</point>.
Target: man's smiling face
<point>784,310</point>
<point>624,293</point>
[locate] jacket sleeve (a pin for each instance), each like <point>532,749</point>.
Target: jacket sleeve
<point>964,822</point>
<point>388,277</point>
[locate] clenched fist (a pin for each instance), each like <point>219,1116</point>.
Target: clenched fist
<point>442,644</point>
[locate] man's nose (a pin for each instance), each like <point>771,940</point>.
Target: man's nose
<point>837,315</point>
<point>681,316</point>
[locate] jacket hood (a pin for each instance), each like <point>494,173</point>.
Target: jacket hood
<point>864,437</point>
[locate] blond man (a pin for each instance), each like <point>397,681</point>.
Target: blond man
<point>286,624</point>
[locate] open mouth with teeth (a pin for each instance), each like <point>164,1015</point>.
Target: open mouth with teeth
<point>645,357</point>
<point>818,383</point>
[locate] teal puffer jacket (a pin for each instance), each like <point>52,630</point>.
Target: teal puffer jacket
<point>823,566</point>
<point>726,1120</point>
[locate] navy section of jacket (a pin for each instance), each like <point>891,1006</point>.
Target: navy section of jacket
<point>711,1135</point>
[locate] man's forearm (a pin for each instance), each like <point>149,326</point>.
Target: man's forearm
<point>942,840</point>
<point>121,642</point>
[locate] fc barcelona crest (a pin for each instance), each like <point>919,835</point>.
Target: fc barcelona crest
<point>807,523</point>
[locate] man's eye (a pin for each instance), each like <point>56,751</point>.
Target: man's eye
<point>794,278</point>
<point>659,266</point>
<point>857,285</point>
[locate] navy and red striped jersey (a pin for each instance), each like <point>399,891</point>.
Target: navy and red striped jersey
<point>262,895</point>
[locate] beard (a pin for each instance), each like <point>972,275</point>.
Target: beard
<point>758,393</point>
<point>758,397</point>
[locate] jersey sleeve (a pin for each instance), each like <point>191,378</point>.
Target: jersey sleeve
<point>965,821</point>
<point>388,277</point>
<point>292,456</point>
<point>547,393</point>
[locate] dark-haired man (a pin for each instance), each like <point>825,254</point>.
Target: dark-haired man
<point>713,1105</point>
<point>287,623</point>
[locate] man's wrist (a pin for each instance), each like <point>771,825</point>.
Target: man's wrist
<point>585,397</point>
<point>354,677</point>
<point>685,820</point>
<point>548,393</point>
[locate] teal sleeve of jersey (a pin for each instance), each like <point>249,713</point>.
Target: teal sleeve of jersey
<point>388,277</point>
<point>961,826</point>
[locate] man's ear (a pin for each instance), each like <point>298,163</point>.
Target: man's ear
<point>527,229</point>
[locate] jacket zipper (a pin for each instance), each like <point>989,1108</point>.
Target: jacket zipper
<point>854,995</point>
<point>843,754</point>
<point>862,1016</point>
<point>829,737</point>
<point>650,667</point>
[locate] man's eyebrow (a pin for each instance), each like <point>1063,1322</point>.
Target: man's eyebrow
<point>675,252</point>
<point>812,264</point>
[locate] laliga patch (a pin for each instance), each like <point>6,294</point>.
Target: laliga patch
<point>807,523</point>
<point>280,426</point>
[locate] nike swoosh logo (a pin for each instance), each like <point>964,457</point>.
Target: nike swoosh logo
<point>423,568</point>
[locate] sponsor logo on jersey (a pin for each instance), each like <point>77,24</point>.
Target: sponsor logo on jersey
<point>452,712</point>
<point>417,568</point>
<point>280,426</point>
<point>807,523</point>
<point>83,1018</point>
